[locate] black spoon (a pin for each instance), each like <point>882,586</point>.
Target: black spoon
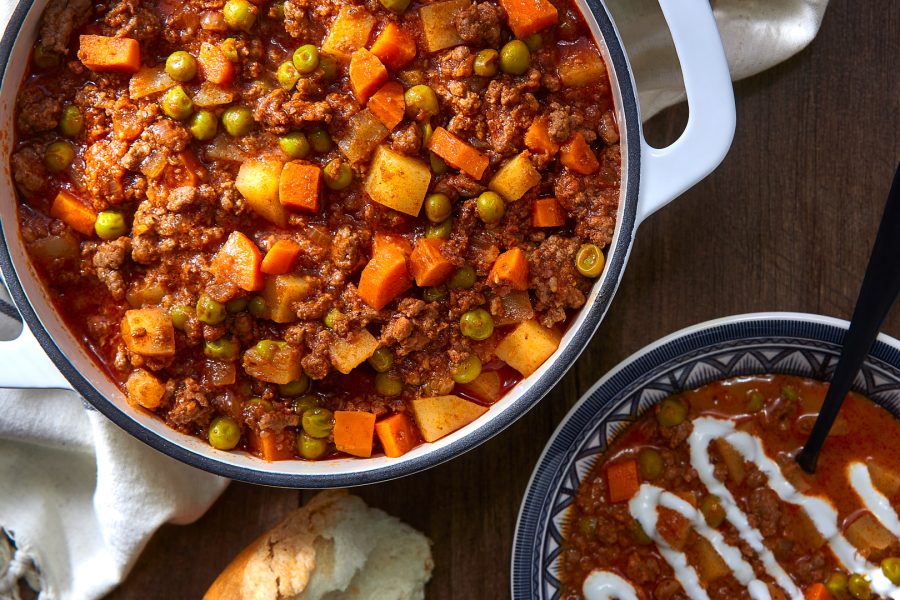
<point>879,290</point>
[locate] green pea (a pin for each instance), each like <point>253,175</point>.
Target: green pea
<point>317,422</point>
<point>294,144</point>
<point>306,58</point>
<point>640,536</point>
<point>587,526</point>
<point>239,14</point>
<point>421,102</point>
<point>468,369</point>
<point>110,225</point>
<point>514,57</point>
<point>590,260</point>
<point>534,42</point>
<point>176,103</point>
<point>486,62</point>
<point>396,6</point>
<point>387,385</point>
<point>891,568</point>
<point>462,279</point>
<point>224,348</point>
<point>490,207</point>
<point>337,175</point>
<point>712,510</point>
<point>298,387</point>
<point>278,10</point>
<point>181,66</point>
<point>71,121</point>
<point>427,132</point>
<point>180,315</point>
<point>229,49</point>
<point>320,141</point>
<point>236,305</point>
<point>203,125</point>
<point>439,230</point>
<point>305,403</point>
<point>209,311</point>
<point>287,75</point>
<point>224,433</point>
<point>650,463</point>
<point>265,405</point>
<point>328,67</point>
<point>238,120</point>
<point>268,348</point>
<point>837,584</point>
<point>476,324</point>
<point>434,294</point>
<point>438,207</point>
<point>257,307</point>
<point>438,166</point>
<point>58,156</point>
<point>332,317</point>
<point>672,412</point>
<point>859,587</point>
<point>755,402</point>
<point>789,392</point>
<point>311,448</point>
<point>381,360</point>
<point>43,58</point>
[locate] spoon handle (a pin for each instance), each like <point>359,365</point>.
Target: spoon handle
<point>879,290</point>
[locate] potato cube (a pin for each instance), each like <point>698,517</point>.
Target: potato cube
<point>580,63</point>
<point>528,346</point>
<point>364,132</point>
<point>349,32</point>
<point>149,332</point>
<point>281,292</point>
<point>710,564</point>
<point>487,387</point>
<point>515,177</point>
<point>868,535</point>
<point>144,389</point>
<point>257,181</point>
<point>437,24</point>
<point>886,479</point>
<point>442,415</point>
<point>348,354</point>
<point>398,181</point>
<point>273,361</point>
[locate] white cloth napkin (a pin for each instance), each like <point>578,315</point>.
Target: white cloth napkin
<point>81,498</point>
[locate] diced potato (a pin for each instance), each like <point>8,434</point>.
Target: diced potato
<point>487,387</point>
<point>673,527</point>
<point>580,63</point>
<point>148,332</point>
<point>868,535</point>
<point>886,479</point>
<point>281,292</point>
<point>709,563</point>
<point>398,181</point>
<point>257,181</point>
<point>442,415</point>
<point>437,24</point>
<point>528,346</point>
<point>145,293</point>
<point>283,366</point>
<point>348,354</point>
<point>144,389</point>
<point>220,373</point>
<point>349,32</point>
<point>805,532</point>
<point>515,177</point>
<point>149,80</point>
<point>364,132</point>
<point>210,95</point>
<point>734,462</point>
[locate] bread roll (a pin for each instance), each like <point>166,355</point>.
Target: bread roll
<point>335,547</point>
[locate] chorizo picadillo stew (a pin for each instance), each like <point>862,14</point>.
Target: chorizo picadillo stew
<point>317,228</point>
<point>701,498</point>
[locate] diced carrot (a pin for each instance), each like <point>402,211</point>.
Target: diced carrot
<point>353,432</point>
<point>538,140</point>
<point>71,211</point>
<point>397,435</point>
<point>510,268</point>
<point>529,16</point>
<point>427,265</point>
<point>818,591</point>
<point>622,480</point>
<point>238,261</point>
<point>457,153</point>
<point>280,257</point>
<point>395,46</point>
<point>367,74</point>
<point>214,65</point>
<point>578,156</point>
<point>547,212</point>
<point>188,171</point>
<point>387,104</point>
<point>101,53</point>
<point>299,186</point>
<point>272,446</point>
<point>383,240</point>
<point>385,276</point>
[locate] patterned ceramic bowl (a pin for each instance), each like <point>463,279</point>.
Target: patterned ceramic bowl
<point>755,344</point>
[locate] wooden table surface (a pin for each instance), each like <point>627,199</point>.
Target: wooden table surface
<point>785,223</point>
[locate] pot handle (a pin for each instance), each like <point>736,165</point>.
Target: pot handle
<point>666,173</point>
<point>24,364</point>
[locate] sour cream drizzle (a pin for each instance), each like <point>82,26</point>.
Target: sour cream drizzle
<point>603,585</point>
<point>874,500</point>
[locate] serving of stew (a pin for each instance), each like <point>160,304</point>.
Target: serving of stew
<point>701,498</point>
<point>311,229</point>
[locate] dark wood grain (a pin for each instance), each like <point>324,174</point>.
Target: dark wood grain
<point>786,223</point>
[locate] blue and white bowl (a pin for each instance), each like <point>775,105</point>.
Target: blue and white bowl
<point>754,344</point>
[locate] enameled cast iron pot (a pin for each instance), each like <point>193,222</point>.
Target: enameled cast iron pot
<point>47,355</point>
